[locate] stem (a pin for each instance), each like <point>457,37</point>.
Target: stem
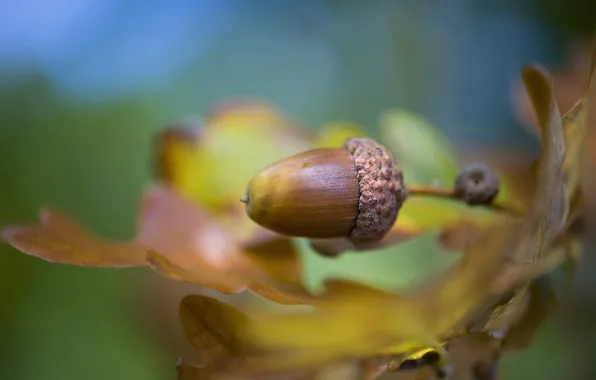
<point>441,192</point>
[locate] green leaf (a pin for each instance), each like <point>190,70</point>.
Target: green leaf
<point>333,134</point>
<point>424,154</point>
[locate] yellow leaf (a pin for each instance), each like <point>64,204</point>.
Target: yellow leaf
<point>211,327</point>
<point>335,133</point>
<point>213,164</point>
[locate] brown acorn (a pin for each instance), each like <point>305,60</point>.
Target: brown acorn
<point>354,191</point>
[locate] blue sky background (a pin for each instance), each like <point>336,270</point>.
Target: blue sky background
<point>309,55</point>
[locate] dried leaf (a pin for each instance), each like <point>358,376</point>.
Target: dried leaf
<point>542,301</point>
<point>373,368</point>
<point>59,239</point>
<point>278,258</point>
<point>457,237</point>
<point>574,82</point>
<point>505,314</point>
<point>545,220</point>
<point>474,357</point>
<point>211,327</point>
<point>189,371</point>
<point>216,281</point>
<point>348,370</point>
<point>575,124</point>
<point>185,241</point>
<point>186,245</point>
<point>283,297</point>
<point>547,217</point>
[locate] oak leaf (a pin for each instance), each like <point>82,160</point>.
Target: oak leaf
<point>214,328</point>
<point>174,237</point>
<point>58,238</point>
<point>575,126</point>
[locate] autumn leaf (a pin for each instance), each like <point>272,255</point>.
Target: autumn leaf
<point>533,303</point>
<point>356,327</point>
<point>60,239</point>
<point>518,318</point>
<point>474,357</point>
<point>541,302</point>
<point>295,296</point>
<point>176,239</point>
<point>366,323</point>
<point>190,371</point>
<point>347,370</point>
<point>575,124</point>
<point>187,246</point>
<point>211,165</point>
<point>545,221</point>
<point>211,327</point>
<point>523,322</point>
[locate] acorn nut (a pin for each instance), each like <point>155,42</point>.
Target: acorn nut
<point>354,191</point>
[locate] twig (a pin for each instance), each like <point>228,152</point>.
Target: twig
<point>441,192</point>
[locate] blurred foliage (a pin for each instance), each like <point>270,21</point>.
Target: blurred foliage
<point>90,155</point>
<point>84,158</point>
<point>575,17</point>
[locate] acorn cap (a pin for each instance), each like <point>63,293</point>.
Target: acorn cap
<point>354,191</point>
<point>381,186</point>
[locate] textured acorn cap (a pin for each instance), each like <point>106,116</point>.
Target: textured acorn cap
<point>354,192</point>
<point>381,186</point>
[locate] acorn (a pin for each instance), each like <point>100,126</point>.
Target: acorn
<point>355,192</point>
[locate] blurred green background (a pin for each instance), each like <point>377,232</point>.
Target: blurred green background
<point>84,86</point>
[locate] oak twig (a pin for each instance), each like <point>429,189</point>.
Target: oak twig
<point>441,192</point>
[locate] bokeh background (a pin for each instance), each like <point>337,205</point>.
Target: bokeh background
<point>85,85</point>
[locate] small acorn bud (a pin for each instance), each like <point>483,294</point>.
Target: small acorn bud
<point>476,184</point>
<point>354,191</point>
